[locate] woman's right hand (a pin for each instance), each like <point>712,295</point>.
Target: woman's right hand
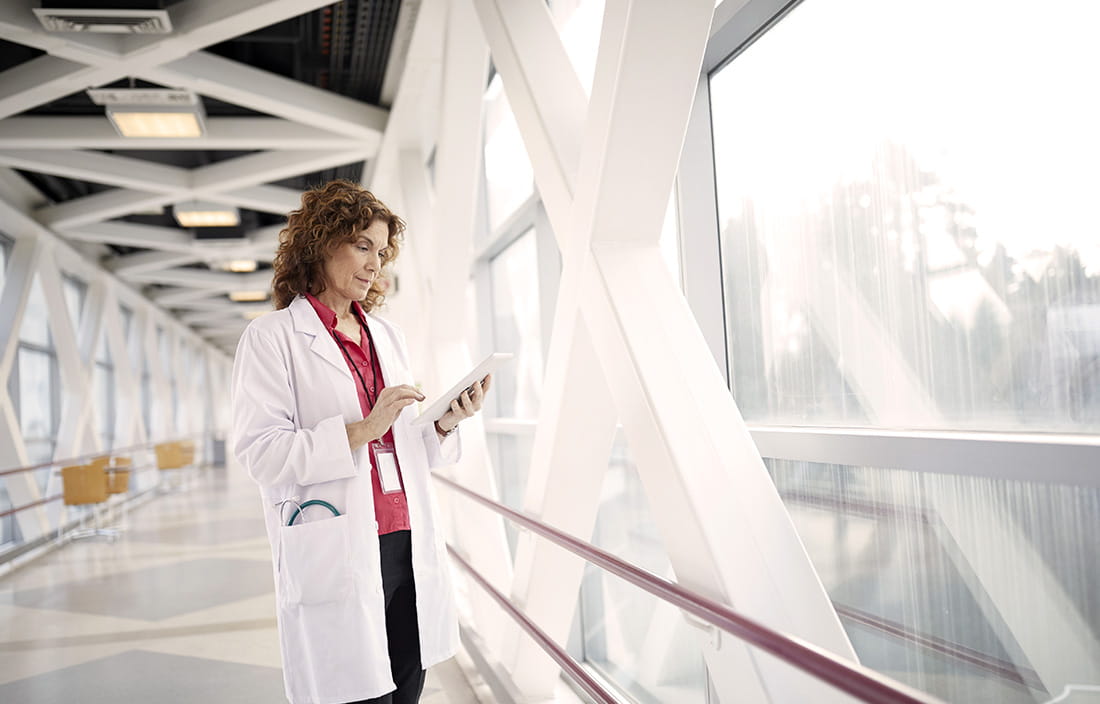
<point>389,404</point>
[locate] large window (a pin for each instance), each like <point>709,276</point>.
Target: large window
<point>509,179</point>
<point>75,292</point>
<point>516,320</point>
<point>903,193</point>
<point>34,385</point>
<point>104,385</point>
<point>5,249</point>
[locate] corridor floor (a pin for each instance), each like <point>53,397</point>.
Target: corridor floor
<point>180,609</point>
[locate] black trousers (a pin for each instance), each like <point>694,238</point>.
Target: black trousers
<point>402,629</point>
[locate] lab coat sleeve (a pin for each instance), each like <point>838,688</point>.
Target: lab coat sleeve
<point>442,452</point>
<point>265,439</point>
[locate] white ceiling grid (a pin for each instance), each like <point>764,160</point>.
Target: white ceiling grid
<point>310,129</point>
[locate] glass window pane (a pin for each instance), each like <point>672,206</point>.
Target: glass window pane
<point>36,327</point>
<point>642,643</point>
<point>127,321</point>
<point>509,178</point>
<point>147,399</point>
<point>103,380</point>
<point>3,260</point>
<point>907,558</point>
<point>74,291</point>
<point>579,23</point>
<point>511,461</point>
<point>103,350</point>
<point>905,230</point>
<point>514,276</point>
<point>670,240</point>
<point>35,395</point>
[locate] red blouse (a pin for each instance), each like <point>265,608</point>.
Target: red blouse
<point>390,510</point>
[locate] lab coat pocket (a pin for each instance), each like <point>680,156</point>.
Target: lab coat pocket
<point>314,565</point>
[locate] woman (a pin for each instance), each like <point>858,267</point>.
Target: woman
<point>322,404</point>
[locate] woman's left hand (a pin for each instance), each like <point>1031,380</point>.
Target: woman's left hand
<point>466,405</point>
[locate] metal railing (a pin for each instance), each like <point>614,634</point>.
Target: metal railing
<point>849,677</point>
<point>570,666</point>
<point>77,460</point>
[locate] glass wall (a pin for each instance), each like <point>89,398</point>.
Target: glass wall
<point>509,179</point>
<point>7,523</point>
<point>34,385</point>
<point>514,291</point>
<point>75,292</point>
<point>641,643</point>
<point>914,599</point>
<point>909,208</point>
<point>5,253</point>
<point>902,193</point>
<point>103,381</point>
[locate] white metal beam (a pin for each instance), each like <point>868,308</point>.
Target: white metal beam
<point>233,82</point>
<point>112,169</point>
<point>231,181</point>
<point>84,132</point>
<point>99,206</point>
<point>207,280</point>
<point>130,265</point>
<point>165,239</point>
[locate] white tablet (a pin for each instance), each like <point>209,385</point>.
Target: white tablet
<point>443,404</point>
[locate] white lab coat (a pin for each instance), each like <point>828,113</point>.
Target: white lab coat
<point>292,396</point>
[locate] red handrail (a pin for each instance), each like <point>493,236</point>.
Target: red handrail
<point>587,682</point>
<point>24,507</point>
<point>854,679</point>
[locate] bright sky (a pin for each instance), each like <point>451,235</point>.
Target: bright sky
<point>998,97</point>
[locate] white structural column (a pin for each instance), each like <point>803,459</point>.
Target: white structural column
<point>577,420</point>
<point>458,162</point>
<point>693,452</point>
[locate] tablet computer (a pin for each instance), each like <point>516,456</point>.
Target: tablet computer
<point>443,404</point>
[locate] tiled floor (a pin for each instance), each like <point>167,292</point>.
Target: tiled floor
<point>179,609</point>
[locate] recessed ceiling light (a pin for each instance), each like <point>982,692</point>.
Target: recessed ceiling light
<point>243,266</point>
<point>195,213</point>
<point>152,112</point>
<point>242,296</point>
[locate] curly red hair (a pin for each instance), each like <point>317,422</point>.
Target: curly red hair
<point>331,215</point>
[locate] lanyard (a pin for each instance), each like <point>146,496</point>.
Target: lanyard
<point>373,355</point>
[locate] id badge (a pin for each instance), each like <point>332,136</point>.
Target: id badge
<point>385,461</point>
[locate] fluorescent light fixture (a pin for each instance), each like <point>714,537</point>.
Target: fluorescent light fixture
<point>249,296</point>
<point>243,266</point>
<point>152,113</point>
<point>194,213</point>
<point>143,122</point>
<point>253,314</point>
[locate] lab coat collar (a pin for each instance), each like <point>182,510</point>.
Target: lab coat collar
<point>307,322</point>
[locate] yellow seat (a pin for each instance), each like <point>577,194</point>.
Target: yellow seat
<point>170,456</point>
<point>83,484</point>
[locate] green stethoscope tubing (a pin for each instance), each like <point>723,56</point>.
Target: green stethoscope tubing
<point>312,502</point>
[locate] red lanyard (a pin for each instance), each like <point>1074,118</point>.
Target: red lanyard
<point>373,367</point>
